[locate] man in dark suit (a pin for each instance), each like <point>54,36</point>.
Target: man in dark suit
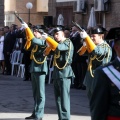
<point>105,99</point>
<point>79,64</point>
<point>26,53</point>
<point>8,47</point>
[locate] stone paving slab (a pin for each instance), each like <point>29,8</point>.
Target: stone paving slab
<point>16,101</point>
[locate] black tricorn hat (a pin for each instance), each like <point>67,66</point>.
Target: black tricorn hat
<point>97,30</point>
<point>57,29</point>
<point>117,39</point>
<point>113,33</point>
<point>39,28</point>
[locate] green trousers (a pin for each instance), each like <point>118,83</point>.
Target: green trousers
<point>62,97</point>
<point>38,86</point>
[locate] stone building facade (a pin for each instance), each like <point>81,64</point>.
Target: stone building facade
<point>108,19</point>
<point>66,7</point>
<point>37,13</point>
<point>1,13</point>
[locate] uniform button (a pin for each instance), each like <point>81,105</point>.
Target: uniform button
<point>112,85</point>
<point>119,102</point>
<point>119,92</point>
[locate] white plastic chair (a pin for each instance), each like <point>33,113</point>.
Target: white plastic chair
<point>15,59</point>
<point>21,68</point>
<point>51,68</point>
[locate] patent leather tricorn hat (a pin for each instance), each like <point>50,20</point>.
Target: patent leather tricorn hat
<point>39,28</point>
<point>57,29</point>
<point>117,39</point>
<point>97,30</point>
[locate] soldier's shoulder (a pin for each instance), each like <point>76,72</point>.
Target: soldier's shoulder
<point>103,66</point>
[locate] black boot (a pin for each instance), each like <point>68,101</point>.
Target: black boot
<point>30,117</point>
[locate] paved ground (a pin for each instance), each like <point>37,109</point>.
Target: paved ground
<point>16,101</point>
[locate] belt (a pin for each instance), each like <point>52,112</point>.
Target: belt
<point>113,118</point>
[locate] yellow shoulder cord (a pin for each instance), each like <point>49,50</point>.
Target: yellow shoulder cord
<point>57,56</point>
<point>33,57</point>
<point>90,65</point>
<point>105,45</point>
<point>95,57</point>
<point>33,51</point>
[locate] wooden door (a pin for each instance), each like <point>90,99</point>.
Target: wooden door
<point>67,13</point>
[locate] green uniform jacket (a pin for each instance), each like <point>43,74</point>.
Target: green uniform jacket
<point>34,67</point>
<point>66,53</point>
<point>104,53</point>
<point>105,100</point>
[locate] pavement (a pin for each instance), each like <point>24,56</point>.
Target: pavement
<point>16,101</point>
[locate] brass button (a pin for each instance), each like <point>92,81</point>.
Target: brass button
<point>117,68</point>
<point>112,85</point>
<point>119,92</point>
<point>119,102</point>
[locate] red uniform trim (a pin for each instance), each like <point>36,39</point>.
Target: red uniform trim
<point>113,118</point>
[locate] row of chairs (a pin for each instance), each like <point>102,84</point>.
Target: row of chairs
<point>50,67</point>
<point>19,68</point>
<point>16,62</point>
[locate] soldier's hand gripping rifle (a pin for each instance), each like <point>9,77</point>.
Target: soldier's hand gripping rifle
<point>29,34</point>
<point>88,45</point>
<point>78,26</point>
<point>83,49</point>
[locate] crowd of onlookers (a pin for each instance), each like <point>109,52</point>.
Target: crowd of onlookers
<point>11,38</point>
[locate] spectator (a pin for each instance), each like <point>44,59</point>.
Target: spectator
<point>67,32</point>
<point>9,42</point>
<point>79,64</point>
<point>26,53</point>
<point>1,50</point>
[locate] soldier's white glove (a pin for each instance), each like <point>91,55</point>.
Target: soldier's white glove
<point>24,25</point>
<point>83,34</point>
<point>44,36</point>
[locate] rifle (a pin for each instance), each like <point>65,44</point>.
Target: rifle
<point>19,18</point>
<point>78,26</point>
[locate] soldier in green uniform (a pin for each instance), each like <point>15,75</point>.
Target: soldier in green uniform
<point>62,73</point>
<point>38,69</point>
<point>105,99</point>
<point>99,53</point>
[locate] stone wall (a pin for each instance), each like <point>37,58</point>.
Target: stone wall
<point>112,18</point>
<point>1,13</point>
<point>35,17</point>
